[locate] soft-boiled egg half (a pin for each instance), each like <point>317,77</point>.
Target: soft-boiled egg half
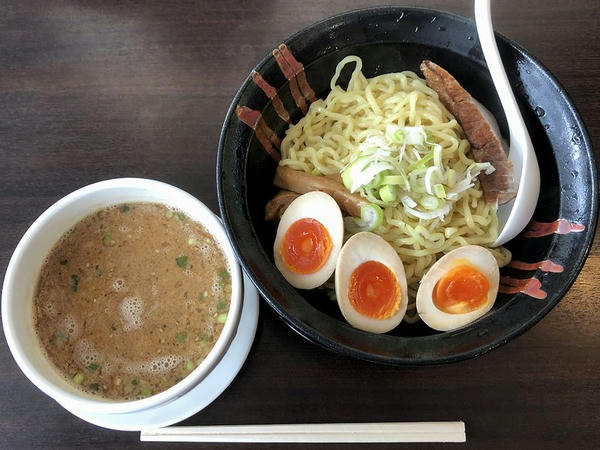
<point>308,241</point>
<point>370,284</point>
<point>459,288</point>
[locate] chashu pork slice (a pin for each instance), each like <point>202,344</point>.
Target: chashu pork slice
<point>302,182</point>
<point>500,185</point>
<point>275,208</point>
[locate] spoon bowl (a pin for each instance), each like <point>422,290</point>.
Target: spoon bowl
<point>513,216</point>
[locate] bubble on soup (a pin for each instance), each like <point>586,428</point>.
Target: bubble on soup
<point>108,367</point>
<point>124,229</point>
<point>71,326</point>
<point>50,309</point>
<point>158,365</point>
<point>118,284</point>
<point>205,247</point>
<point>217,286</point>
<point>85,353</point>
<point>154,290</point>
<point>131,311</point>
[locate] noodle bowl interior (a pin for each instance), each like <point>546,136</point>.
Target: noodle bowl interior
<point>396,125</point>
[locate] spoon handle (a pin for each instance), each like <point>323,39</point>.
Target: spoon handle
<point>512,216</point>
<point>519,137</point>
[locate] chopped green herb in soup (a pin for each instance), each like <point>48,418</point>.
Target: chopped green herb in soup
<point>131,300</point>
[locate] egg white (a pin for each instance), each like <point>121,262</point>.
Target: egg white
<point>478,257</point>
<point>358,249</point>
<point>323,208</point>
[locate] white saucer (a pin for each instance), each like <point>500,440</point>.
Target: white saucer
<point>205,392</point>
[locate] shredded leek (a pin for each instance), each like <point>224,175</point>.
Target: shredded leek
<point>388,193</point>
<point>439,190</point>
<point>371,217</point>
<point>405,166</point>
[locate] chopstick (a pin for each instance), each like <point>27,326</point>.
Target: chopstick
<point>321,432</point>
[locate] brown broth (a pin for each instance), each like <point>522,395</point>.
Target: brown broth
<point>131,300</point>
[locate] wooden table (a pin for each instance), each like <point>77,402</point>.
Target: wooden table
<point>101,89</point>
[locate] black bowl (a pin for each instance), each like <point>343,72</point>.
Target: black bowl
<point>390,40</point>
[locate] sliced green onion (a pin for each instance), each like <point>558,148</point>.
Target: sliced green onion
<point>181,216</point>
<point>63,262</point>
<point>428,137</point>
<point>92,366</point>
<point>407,201</point>
<point>74,282</point>
<point>181,261</point>
<point>415,135</point>
<point>437,156</point>
<point>352,171</point>
<point>362,171</point>
<point>107,240</point>
<point>223,274</point>
<point>189,365</point>
<point>94,386</point>
<point>223,277</point>
<point>439,191</point>
<point>221,305</point>
<point>451,174</point>
<point>146,392</point>
<point>429,202</point>
<point>371,217</point>
<point>398,137</point>
<point>134,382</point>
<point>377,181</point>
<point>388,193</point>
<point>125,208</point>
<point>394,179</point>
<point>421,162</point>
<point>181,337</point>
<point>221,318</point>
<point>316,172</point>
<point>78,378</point>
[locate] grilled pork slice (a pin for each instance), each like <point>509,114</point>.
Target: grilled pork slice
<point>302,182</point>
<point>500,185</point>
<point>275,208</point>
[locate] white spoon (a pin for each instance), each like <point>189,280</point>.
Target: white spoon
<point>513,216</point>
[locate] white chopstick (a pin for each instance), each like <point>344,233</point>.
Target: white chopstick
<point>321,432</point>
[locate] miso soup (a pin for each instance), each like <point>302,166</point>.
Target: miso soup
<point>131,300</point>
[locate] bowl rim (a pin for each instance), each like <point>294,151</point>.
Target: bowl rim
<point>314,335</point>
<point>201,214</point>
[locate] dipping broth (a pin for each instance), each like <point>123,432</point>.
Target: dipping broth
<point>131,300</point>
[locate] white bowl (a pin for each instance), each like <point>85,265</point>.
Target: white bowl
<point>24,267</point>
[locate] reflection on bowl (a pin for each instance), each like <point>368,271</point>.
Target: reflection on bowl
<point>547,256</point>
<point>23,271</point>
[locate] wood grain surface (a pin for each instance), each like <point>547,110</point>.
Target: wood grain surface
<point>91,90</point>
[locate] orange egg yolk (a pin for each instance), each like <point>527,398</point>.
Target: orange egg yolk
<point>306,246</point>
<point>463,289</point>
<point>373,290</point>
